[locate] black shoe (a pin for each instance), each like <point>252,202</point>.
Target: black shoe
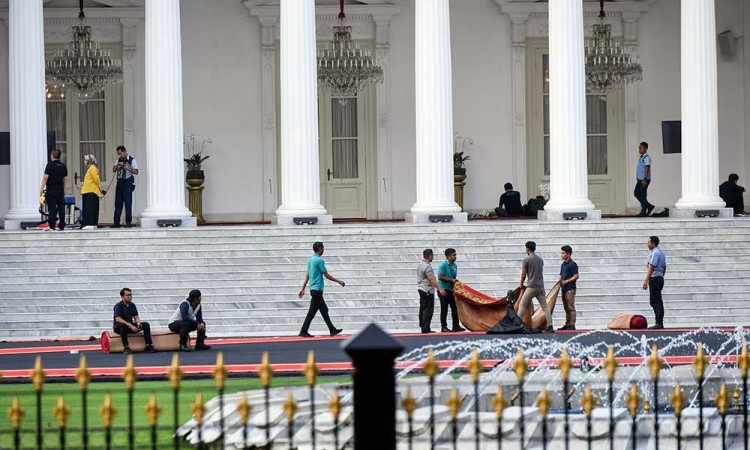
<point>658,326</point>
<point>126,351</point>
<point>567,327</point>
<point>202,346</point>
<point>444,330</point>
<point>336,331</point>
<point>550,329</point>
<point>305,334</point>
<point>427,332</point>
<point>150,349</point>
<point>115,225</point>
<point>184,348</point>
<point>129,225</point>
<point>642,214</point>
<point>458,329</point>
<point>650,210</point>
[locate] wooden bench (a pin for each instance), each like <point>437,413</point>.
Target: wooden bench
<point>164,341</point>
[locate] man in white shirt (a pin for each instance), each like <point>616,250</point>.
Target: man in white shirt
<point>189,317</point>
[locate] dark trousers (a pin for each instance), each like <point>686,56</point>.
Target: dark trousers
<point>124,331</point>
<point>655,286</point>
<point>641,193</point>
<point>183,328</point>
<point>55,207</point>
<point>317,303</point>
<point>426,308</point>
<point>446,301</point>
<point>124,197</point>
<point>90,214</point>
<point>737,202</point>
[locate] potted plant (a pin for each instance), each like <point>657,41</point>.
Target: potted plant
<point>458,163</point>
<point>194,162</point>
<point>459,171</point>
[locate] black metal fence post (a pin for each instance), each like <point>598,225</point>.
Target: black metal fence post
<point>61,413</point>
<point>475,369</point>
<point>655,364</point>
<point>129,374</point>
<point>37,377</point>
<point>107,412</point>
<point>564,365</point>
<point>632,400</point>
<point>520,368</point>
<point>499,404</point>
<point>290,408</point>
<point>311,373</point>
<point>678,402</point>
<point>153,409</point>
<point>610,363</point>
<point>543,403</point>
<point>335,406</point>
<point>175,377</point>
<point>243,408</point>
<point>721,404</point>
<point>16,414</point>
<point>83,377</point>
<point>373,353</point>
<point>430,369</point>
<point>588,402</point>
<point>743,362</point>
<point>699,362</point>
<point>265,371</point>
<point>220,374</point>
<point>454,405</point>
<point>198,410</point>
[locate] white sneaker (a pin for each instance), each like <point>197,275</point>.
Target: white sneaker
<point>89,227</point>
<point>740,215</point>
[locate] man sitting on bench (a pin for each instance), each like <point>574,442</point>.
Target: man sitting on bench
<point>127,322</point>
<point>189,317</point>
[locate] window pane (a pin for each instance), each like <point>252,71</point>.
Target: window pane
<point>545,103</point>
<point>546,155</point>
<point>596,114</point>
<point>597,155</point>
<point>91,118</point>
<point>545,74</point>
<point>344,117</point>
<point>63,152</point>
<point>56,119</point>
<point>345,158</point>
<point>98,149</point>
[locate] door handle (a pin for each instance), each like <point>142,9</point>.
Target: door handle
<point>329,174</point>
<point>76,178</point>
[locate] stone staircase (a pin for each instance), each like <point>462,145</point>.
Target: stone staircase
<point>65,284</point>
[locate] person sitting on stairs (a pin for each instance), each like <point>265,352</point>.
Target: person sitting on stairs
<point>189,317</point>
<point>127,322</point>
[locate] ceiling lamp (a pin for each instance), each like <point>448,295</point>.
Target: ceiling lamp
<point>82,68</point>
<point>343,68</point>
<point>609,65</point>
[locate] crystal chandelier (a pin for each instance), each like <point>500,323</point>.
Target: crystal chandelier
<point>343,68</point>
<point>82,68</point>
<point>609,65</point>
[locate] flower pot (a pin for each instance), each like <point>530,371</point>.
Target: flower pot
<point>459,171</point>
<point>195,178</point>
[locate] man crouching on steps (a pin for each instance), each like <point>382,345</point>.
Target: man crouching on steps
<point>189,317</point>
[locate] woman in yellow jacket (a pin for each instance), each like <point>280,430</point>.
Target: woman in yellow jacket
<point>91,192</point>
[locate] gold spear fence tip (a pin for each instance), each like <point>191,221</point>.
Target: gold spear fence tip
<point>654,362</point>
<point>198,409</point>
<point>699,362</point>
<point>430,366</point>
<point>220,371</point>
<point>520,367</point>
<point>564,364</point>
<point>646,407</point>
<point>16,413</point>
<point>335,405</point>
<point>475,365</point>
<point>265,371</point>
<point>107,411</point>
<point>153,409</point>
<point>38,374</point>
<point>610,363</point>
<point>83,374</point>
<point>409,403</point>
<point>129,374</point>
<point>61,412</point>
<point>454,403</point>
<point>632,399</point>
<point>311,369</point>
<point>175,372</point>
<point>499,402</point>
<point>743,361</point>
<point>722,399</point>
<point>678,400</point>
<point>290,407</point>
<point>244,408</point>
<point>543,402</point>
<point>588,402</point>
<point>736,397</point>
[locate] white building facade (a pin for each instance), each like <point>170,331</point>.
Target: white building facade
<point>386,153</point>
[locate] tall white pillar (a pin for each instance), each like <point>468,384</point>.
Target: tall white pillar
<point>568,165</point>
<point>300,166</point>
<point>700,125</point>
<point>164,133</point>
<point>28,119</point>
<point>434,108</point>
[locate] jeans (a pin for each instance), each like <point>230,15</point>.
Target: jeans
<point>124,330</point>
<point>426,309</point>
<point>655,286</point>
<point>55,207</point>
<point>124,197</point>
<point>528,295</point>
<point>317,303</point>
<point>183,328</point>
<point>446,301</point>
<point>569,303</point>
<point>641,193</point>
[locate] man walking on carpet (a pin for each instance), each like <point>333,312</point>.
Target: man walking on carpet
<point>316,270</point>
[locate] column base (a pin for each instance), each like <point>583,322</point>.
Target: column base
<point>15,224</point>
<point>323,219</point>
<point>460,217</point>
<point>150,222</point>
<point>557,216</point>
<point>680,213</point>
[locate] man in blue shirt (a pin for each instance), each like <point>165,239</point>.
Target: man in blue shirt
<point>127,321</point>
<point>568,278</point>
<point>316,270</point>
<point>447,272</point>
<point>654,282</point>
<point>643,179</point>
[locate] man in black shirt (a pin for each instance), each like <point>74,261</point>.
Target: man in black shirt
<point>127,322</point>
<point>568,278</point>
<point>511,200</point>
<point>732,194</point>
<point>55,178</point>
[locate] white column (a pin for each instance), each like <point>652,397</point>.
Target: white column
<point>518,79</point>
<point>700,125</point>
<point>28,119</point>
<point>382,93</point>
<point>300,167</point>
<point>164,134</point>
<point>434,108</point>
<point>268,105</point>
<point>568,166</point>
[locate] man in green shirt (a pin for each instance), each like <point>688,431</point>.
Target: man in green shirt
<point>447,272</point>
<point>316,270</point>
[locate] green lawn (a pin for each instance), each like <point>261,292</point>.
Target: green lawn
<point>143,390</point>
